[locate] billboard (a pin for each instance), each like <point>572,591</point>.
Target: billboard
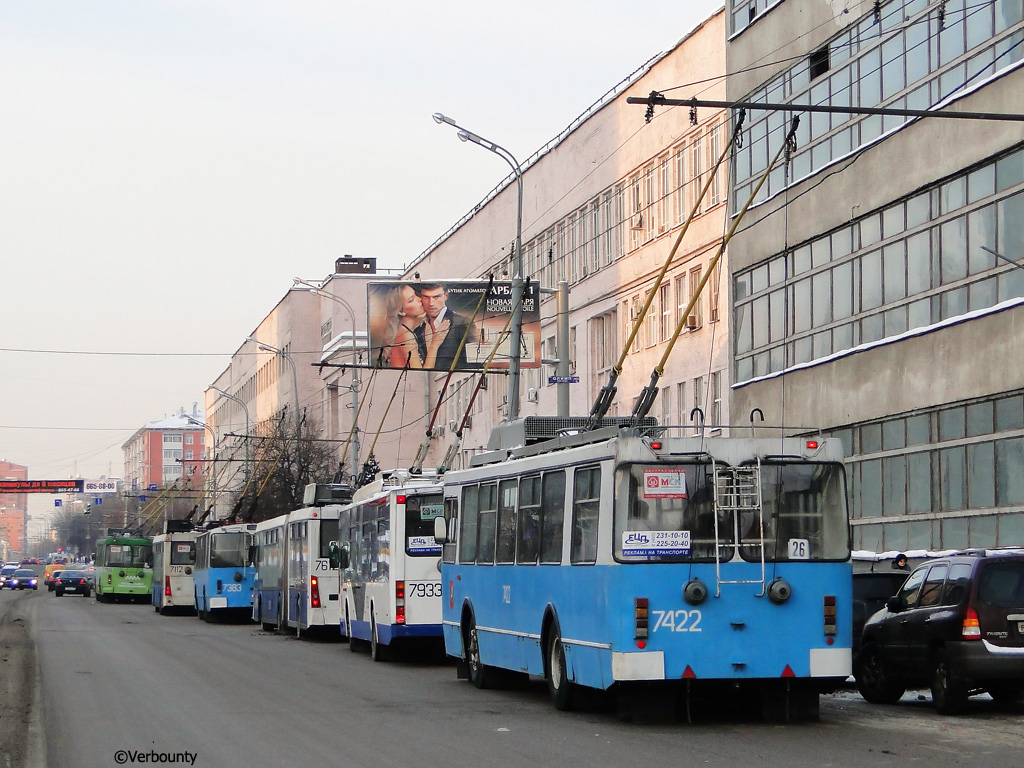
<point>107,485</point>
<point>41,486</point>
<point>431,325</point>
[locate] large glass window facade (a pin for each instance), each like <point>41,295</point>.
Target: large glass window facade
<point>913,264</point>
<point>946,478</point>
<point>904,58</point>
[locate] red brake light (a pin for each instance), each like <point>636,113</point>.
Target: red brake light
<point>400,602</point>
<point>812,445</point>
<point>656,445</point>
<point>167,586</point>
<point>400,499</point>
<point>972,628</point>
<point>314,592</point>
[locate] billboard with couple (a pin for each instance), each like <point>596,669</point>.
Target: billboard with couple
<point>434,325</point>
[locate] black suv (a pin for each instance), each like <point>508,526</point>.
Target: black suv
<point>956,624</point>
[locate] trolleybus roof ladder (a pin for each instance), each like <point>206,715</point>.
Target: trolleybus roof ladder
<point>738,489</point>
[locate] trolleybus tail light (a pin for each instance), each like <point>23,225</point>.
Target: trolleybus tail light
<point>971,629</point>
<point>656,445</point>
<point>812,445</point>
<point>167,586</point>
<point>830,614</point>
<point>640,613</point>
<point>400,601</point>
<point>400,499</point>
<point>314,591</point>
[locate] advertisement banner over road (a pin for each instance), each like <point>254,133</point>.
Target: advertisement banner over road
<point>41,486</point>
<point>429,325</point>
<point>101,486</point>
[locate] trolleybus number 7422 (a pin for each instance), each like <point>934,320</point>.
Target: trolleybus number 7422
<point>677,621</point>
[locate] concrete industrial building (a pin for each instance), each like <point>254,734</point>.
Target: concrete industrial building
<point>872,291</point>
<point>603,203</point>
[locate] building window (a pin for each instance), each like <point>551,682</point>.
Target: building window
<point>696,316</point>
<point>680,191</point>
<point>188,439</point>
<point>665,300</point>
<point>698,402</point>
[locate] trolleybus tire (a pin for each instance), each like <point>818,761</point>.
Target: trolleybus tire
<point>354,644</point>
<point>378,652</point>
<point>559,686</point>
<point>480,675</point>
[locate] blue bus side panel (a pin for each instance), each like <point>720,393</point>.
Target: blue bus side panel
<point>387,633</point>
<point>739,635</point>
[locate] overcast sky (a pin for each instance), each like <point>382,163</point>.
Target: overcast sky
<point>167,168</point>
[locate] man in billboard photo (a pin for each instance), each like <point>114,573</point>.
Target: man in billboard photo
<point>444,329</point>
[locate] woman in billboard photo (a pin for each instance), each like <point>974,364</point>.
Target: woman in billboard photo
<point>407,343</point>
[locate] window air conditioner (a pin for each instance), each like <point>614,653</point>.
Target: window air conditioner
<point>691,322</point>
<point>531,395</point>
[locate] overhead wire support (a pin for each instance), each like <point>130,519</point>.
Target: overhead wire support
<point>647,396</point>
<point>607,393</point>
<point>661,101</point>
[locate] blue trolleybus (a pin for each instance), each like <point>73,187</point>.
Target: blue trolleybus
<point>297,570</point>
<point>633,560</point>
<point>391,587</point>
<point>223,575</point>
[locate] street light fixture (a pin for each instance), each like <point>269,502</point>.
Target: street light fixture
<point>295,376</point>
<point>516,337</point>
<point>245,410</point>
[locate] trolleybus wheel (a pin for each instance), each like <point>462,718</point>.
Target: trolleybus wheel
<point>353,643</point>
<point>480,675</point>
<point>559,686</point>
<point>378,652</point>
<point>268,626</point>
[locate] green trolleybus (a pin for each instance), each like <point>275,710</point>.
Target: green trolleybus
<point>124,567</point>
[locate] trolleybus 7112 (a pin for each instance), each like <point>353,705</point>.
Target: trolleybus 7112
<point>297,567</point>
<point>124,566</point>
<point>174,558</point>
<point>223,575</point>
<point>391,587</point>
<point>625,556</point>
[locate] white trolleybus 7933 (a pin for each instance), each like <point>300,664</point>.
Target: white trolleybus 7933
<point>298,559</point>
<point>391,586</point>
<point>174,559</point>
<point>630,559</point>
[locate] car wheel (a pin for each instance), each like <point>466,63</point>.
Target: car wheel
<point>559,686</point>
<point>60,593</point>
<point>949,691</point>
<point>874,684</point>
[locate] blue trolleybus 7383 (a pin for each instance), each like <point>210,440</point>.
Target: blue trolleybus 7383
<point>639,561</point>
<point>223,572</point>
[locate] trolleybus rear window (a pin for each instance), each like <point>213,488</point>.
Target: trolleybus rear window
<point>672,512</point>
<point>420,512</point>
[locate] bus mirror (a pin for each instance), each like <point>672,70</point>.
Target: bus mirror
<point>440,530</point>
<point>254,552</point>
<point>343,559</point>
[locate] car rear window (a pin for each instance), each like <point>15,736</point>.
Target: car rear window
<point>72,575</point>
<point>1002,585</point>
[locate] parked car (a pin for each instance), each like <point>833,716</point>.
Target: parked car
<point>74,582</point>
<point>6,572</point>
<point>870,591</point>
<point>23,578</point>
<point>957,625</point>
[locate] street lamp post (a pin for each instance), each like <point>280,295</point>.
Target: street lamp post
<point>213,468</point>
<point>295,376</point>
<point>248,435</point>
<point>354,387</point>
<point>516,336</point>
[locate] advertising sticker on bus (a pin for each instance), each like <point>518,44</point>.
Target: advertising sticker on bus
<point>655,543</point>
<point>664,483</point>
<point>430,511</point>
<point>420,544</point>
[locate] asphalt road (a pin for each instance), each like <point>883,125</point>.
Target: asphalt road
<point>119,682</point>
